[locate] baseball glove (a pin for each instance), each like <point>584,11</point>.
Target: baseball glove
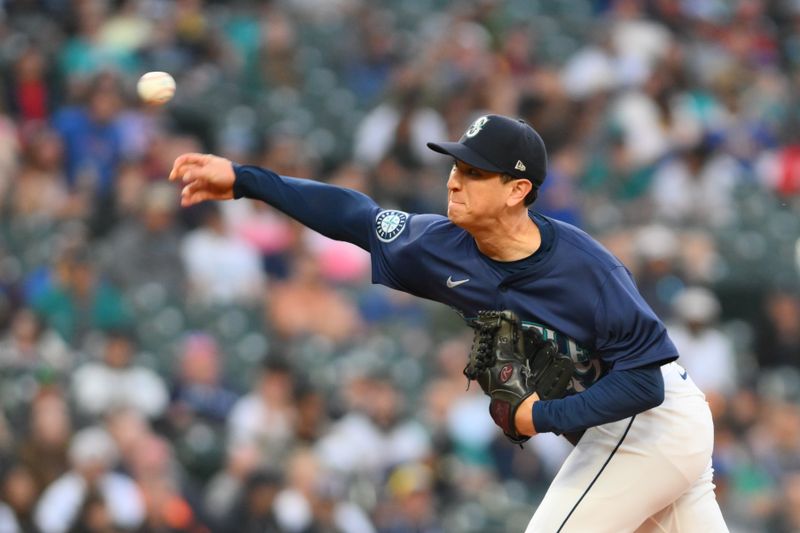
<point>510,364</point>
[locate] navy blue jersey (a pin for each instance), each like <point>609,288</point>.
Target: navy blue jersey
<point>577,293</point>
<point>574,291</point>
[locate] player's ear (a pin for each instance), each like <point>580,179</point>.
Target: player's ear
<point>519,190</point>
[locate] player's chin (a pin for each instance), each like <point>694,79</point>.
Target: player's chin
<point>457,215</point>
<point>453,213</point>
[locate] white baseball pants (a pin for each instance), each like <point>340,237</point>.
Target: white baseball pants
<point>648,473</point>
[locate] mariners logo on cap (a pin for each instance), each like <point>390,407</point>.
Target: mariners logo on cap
<point>389,224</point>
<point>476,127</point>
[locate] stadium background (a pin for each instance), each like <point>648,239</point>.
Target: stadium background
<point>239,373</point>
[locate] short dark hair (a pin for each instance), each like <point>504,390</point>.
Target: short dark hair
<point>530,197</point>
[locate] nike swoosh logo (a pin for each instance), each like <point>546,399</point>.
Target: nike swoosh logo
<point>684,375</point>
<point>452,284</point>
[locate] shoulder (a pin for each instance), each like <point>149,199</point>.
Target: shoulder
<point>584,245</point>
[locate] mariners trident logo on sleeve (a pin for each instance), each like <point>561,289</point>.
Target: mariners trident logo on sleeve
<point>389,224</point>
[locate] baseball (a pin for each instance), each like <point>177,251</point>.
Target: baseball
<point>156,88</point>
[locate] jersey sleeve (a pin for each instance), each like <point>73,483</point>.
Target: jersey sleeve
<point>336,212</point>
<point>618,395</point>
<point>395,239</point>
<point>400,243</point>
<point>628,332</point>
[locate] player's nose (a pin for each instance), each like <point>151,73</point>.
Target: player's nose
<point>454,180</point>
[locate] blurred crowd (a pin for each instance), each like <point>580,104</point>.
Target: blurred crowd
<point>223,369</point>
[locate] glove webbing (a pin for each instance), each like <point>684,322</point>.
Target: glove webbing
<point>482,354</point>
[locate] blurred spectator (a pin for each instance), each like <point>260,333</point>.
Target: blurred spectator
<point>146,248</point>
<point>92,138</point>
<point>40,195</point>
<point>289,155</point>
<point>221,269</point>
<point>449,404</point>
<point>125,31</point>
<point>117,381</point>
<point>18,493</point>
<point>787,518</point>
<point>778,170</point>
<point>411,505</point>
<point>278,51</point>
<point>30,88</point>
<point>305,305</point>
<point>227,491</point>
<point>310,500</point>
<point>43,451</point>
<point>311,417</point>
<point>199,406</point>
<point>778,336</point>
<point>333,512</point>
<point>369,68</point>
<point>657,268</point>
<point>778,451</point>
<point>374,436</point>
<point>167,496</point>
<point>696,187</point>
<point>639,42</point>
<point>267,230</point>
<point>265,417</point>
<point>198,392</point>
<point>705,352</point>
<point>94,516</point>
<point>129,429</point>
<point>399,129</point>
<point>29,344</point>
<point>557,195</point>
<point>254,511</point>
<point>90,490</point>
<point>83,55</point>
<point>78,300</point>
<point>339,262</point>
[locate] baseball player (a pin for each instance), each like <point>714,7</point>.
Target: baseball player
<point>643,458</point>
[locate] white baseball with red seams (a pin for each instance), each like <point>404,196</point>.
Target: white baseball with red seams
<point>156,88</point>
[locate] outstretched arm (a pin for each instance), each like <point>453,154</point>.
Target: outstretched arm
<point>336,212</point>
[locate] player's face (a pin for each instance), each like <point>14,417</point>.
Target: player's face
<point>474,196</point>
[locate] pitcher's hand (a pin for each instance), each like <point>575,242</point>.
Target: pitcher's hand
<point>204,177</point>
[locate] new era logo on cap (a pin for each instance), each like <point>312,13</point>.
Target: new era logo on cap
<point>500,144</point>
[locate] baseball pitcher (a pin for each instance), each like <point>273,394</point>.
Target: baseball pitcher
<point>563,341</point>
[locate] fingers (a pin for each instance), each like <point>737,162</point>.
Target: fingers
<point>190,195</point>
<point>184,162</point>
<point>194,193</point>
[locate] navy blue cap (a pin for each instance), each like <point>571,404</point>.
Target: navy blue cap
<point>500,144</point>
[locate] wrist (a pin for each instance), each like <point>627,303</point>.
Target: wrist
<point>238,190</point>
<point>523,418</point>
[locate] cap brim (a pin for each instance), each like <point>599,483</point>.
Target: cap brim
<point>466,154</point>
